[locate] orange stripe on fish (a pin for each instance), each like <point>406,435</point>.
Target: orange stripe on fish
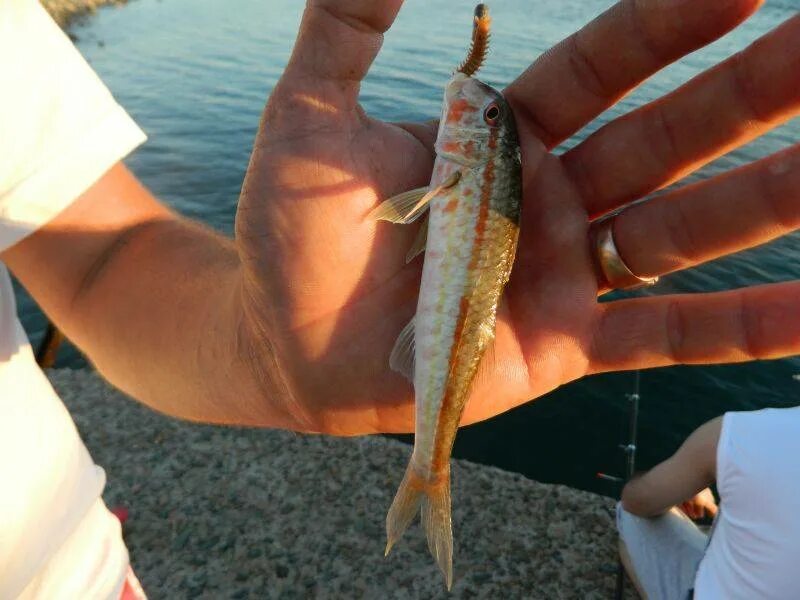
<point>443,448</point>
<point>457,109</point>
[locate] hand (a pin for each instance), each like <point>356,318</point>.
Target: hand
<point>326,291</point>
<point>700,506</point>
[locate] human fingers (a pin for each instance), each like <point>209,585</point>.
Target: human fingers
<point>690,509</point>
<point>707,502</point>
<point>700,506</point>
<point>728,213</point>
<point>761,322</point>
<point>337,42</point>
<point>592,69</point>
<point>721,109</point>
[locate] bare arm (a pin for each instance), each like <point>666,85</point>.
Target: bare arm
<point>691,469</point>
<point>313,295</point>
<point>150,297</point>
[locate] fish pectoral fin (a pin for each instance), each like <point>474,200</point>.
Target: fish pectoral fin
<point>404,208</point>
<point>409,206</point>
<point>418,247</point>
<point>402,357</point>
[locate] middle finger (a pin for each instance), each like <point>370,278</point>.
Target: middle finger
<point>721,109</point>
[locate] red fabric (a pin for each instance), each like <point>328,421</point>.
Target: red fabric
<point>132,590</point>
<point>121,513</point>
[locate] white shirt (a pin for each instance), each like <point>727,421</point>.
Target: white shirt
<point>754,551</point>
<point>60,131</point>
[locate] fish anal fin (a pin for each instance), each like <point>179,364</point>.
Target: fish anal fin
<point>402,357</point>
<point>418,247</point>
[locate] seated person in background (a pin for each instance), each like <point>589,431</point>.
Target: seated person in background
<point>754,547</point>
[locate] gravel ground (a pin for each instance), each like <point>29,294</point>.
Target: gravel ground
<point>220,512</point>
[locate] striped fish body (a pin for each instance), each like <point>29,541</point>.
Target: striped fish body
<point>469,254</point>
<point>472,237</point>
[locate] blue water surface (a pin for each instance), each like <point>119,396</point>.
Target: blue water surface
<point>195,75</point>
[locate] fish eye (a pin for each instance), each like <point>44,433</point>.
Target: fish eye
<point>492,114</point>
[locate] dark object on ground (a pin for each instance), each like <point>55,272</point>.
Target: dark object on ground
<point>47,352</point>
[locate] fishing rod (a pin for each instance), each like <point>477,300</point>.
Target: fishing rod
<point>629,450</point>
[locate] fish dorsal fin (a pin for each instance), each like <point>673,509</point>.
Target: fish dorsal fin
<point>418,247</point>
<point>409,206</point>
<point>402,357</point>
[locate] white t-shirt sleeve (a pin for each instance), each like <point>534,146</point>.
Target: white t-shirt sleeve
<point>60,128</point>
<point>60,131</point>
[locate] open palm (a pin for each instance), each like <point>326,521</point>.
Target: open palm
<point>326,291</point>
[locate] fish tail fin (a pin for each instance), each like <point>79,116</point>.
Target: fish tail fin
<point>433,497</point>
<point>437,521</point>
<point>404,507</point>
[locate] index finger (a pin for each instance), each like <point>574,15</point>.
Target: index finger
<point>594,68</point>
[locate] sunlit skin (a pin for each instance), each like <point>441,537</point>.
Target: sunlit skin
<point>332,290</point>
<point>291,324</point>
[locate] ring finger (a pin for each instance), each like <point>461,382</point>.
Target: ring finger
<point>728,213</point>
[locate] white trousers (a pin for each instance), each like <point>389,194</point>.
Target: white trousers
<point>664,552</point>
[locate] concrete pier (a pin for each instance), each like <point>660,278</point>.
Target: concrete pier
<point>220,512</point>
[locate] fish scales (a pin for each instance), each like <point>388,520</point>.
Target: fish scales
<point>474,201</point>
<point>471,241</point>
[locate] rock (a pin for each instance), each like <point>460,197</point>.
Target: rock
<point>235,512</point>
<point>64,11</point>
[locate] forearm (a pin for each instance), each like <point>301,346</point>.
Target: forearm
<point>161,319</point>
<point>152,299</point>
<point>649,494</point>
<point>691,469</point>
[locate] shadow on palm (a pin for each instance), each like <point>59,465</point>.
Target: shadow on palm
<point>327,292</point>
<point>344,291</point>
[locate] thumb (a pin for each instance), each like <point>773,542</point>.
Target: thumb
<point>337,43</point>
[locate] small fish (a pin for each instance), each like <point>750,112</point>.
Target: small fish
<point>469,241</point>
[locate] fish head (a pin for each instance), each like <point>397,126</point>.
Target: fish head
<point>476,122</point>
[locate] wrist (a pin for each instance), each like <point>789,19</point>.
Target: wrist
<point>266,368</point>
